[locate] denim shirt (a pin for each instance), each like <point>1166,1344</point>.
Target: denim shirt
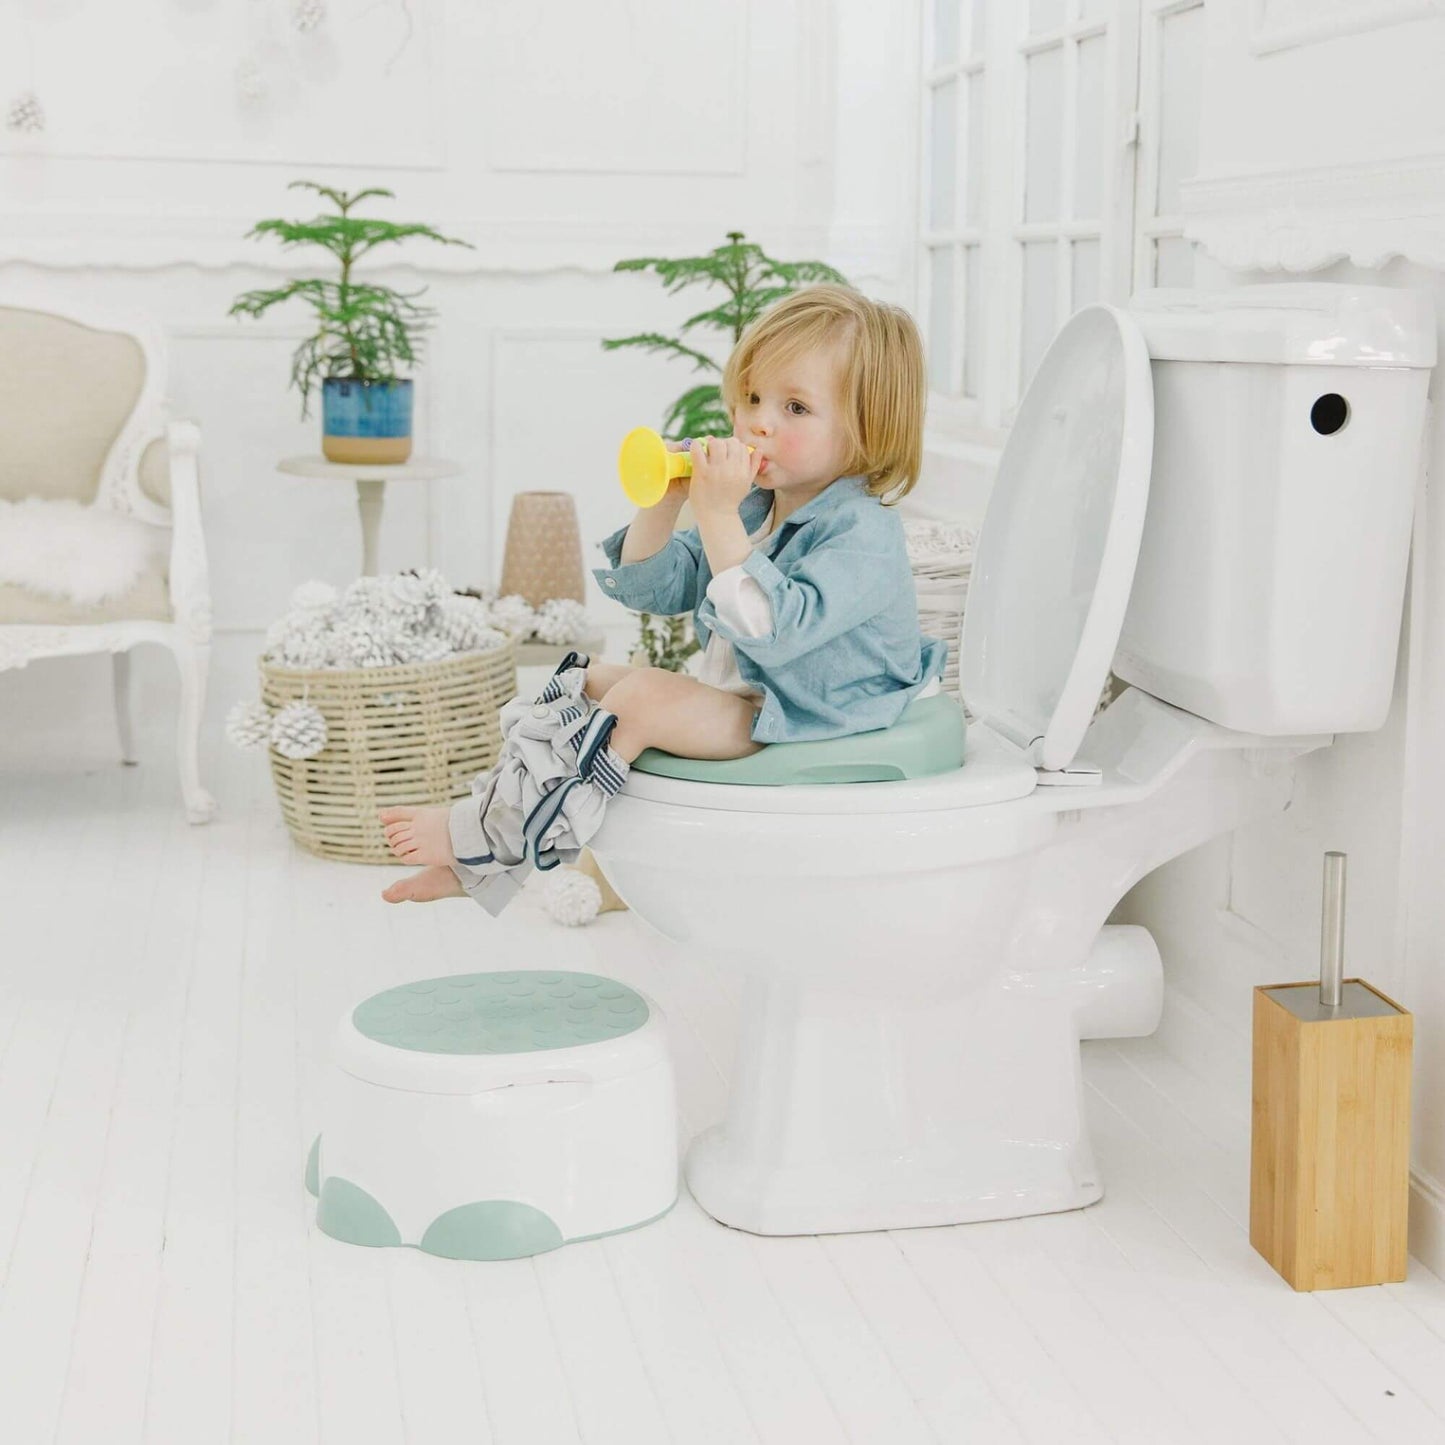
<point>845,654</point>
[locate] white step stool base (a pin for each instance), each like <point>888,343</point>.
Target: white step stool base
<point>494,1116</point>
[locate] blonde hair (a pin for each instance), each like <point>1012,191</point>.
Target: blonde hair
<point>882,387</point>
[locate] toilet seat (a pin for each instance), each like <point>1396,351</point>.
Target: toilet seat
<point>994,771</point>
<point>1054,564</point>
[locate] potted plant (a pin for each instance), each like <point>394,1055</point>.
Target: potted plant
<point>752,280</point>
<point>366,334</point>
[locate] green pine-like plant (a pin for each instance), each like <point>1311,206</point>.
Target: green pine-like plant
<point>365,333</point>
<point>753,280</point>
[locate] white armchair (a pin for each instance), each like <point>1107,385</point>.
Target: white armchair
<point>82,416</point>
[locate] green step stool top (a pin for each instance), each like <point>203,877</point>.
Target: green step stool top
<point>501,1013</point>
<point>927,739</point>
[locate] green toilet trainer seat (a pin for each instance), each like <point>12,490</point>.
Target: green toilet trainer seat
<point>927,739</point>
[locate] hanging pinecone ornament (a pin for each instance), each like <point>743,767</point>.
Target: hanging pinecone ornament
<point>248,726</point>
<point>25,114</point>
<point>298,731</point>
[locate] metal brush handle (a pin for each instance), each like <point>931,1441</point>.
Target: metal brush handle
<point>1332,932</point>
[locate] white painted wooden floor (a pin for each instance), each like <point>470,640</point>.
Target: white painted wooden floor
<point>166,1000</point>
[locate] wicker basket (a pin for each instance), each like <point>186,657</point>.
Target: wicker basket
<point>414,734</point>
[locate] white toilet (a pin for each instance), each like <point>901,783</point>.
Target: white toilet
<point>1212,491</point>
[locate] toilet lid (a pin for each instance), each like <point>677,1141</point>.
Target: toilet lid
<point>1056,552</point>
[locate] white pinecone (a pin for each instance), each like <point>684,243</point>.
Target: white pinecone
<point>409,597</point>
<point>571,898</point>
<point>513,615</point>
<point>248,726</point>
<point>561,619</point>
<point>26,115</point>
<point>359,645</point>
<point>420,647</point>
<point>385,621</point>
<point>301,641</point>
<point>298,731</point>
<point>463,622</point>
<point>313,595</point>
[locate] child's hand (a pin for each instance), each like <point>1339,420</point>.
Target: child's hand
<point>722,475</point>
<point>676,486</point>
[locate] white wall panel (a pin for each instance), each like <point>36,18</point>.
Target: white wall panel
<point>154,80</point>
<point>626,89</point>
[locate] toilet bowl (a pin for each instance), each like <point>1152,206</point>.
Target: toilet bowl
<point>917,953</point>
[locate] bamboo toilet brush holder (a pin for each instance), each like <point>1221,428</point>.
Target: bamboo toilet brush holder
<point>1329,1175</point>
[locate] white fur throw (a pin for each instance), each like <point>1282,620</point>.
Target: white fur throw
<point>81,554</point>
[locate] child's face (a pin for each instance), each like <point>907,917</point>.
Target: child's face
<point>793,415</point>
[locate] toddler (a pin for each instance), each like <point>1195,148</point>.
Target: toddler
<point>796,573</point>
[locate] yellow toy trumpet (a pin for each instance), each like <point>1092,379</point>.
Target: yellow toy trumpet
<point>645,466</point>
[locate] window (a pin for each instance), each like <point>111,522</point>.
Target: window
<point>1056,134</point>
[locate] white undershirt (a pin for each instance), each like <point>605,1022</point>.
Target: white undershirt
<point>744,606</point>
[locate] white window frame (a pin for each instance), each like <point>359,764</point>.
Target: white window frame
<point>1128,228</point>
<point>1150,227</point>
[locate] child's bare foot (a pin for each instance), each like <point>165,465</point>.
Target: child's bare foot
<point>425,887</point>
<point>419,835</point>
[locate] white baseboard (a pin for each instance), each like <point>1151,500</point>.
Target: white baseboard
<point>1427,1221</point>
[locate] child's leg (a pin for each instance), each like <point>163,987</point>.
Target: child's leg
<point>423,835</point>
<point>680,715</point>
<point>653,707</point>
<point>603,676</point>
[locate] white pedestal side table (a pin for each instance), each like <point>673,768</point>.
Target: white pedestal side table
<point>371,480</point>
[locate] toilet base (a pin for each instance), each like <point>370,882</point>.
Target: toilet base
<point>852,1113</point>
<point>907,1194</point>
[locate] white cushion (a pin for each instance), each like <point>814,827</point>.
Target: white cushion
<point>86,556</point>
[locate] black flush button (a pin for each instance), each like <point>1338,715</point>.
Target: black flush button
<point>1329,413</point>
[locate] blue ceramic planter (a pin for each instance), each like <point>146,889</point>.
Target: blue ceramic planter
<point>366,421</point>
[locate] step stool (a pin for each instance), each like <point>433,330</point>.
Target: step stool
<point>496,1115</point>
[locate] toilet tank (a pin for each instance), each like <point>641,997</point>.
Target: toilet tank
<point>1288,423</point>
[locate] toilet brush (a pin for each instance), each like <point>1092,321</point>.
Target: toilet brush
<point>1329,1175</point>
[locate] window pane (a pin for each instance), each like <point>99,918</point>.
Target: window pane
<point>978,36</point>
<point>972,323</point>
<point>945,32</point>
<point>1085,269</point>
<point>1174,262</point>
<point>976,150</point>
<point>1045,93</point>
<point>1095,9</point>
<point>1090,131</point>
<point>1045,15</point>
<point>940,319</point>
<point>945,156</point>
<point>1181,55</point>
<point>1038,321</point>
